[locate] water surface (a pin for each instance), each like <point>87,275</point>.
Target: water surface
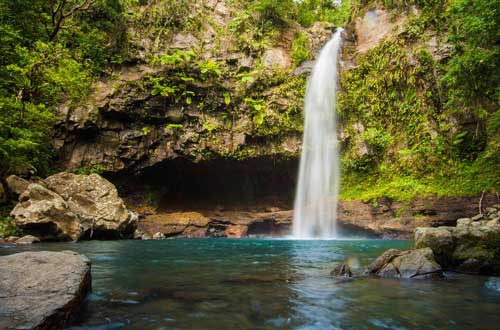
<point>215,284</point>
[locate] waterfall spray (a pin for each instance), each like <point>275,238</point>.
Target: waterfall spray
<point>318,185</point>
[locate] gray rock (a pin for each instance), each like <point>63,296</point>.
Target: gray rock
<point>342,270</point>
<point>415,264</point>
<point>158,236</point>
<point>42,210</point>
<point>491,215</point>
<point>72,206</point>
<point>464,222</point>
<point>439,239</point>
<point>304,68</point>
<point>16,185</point>
<point>42,290</point>
<point>138,234</point>
<point>493,223</point>
<point>477,217</point>
<point>28,239</point>
<point>471,249</point>
<point>11,239</point>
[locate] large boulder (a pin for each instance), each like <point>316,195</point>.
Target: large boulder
<point>415,264</point>
<point>42,290</point>
<point>46,214</point>
<point>72,206</point>
<point>471,248</point>
<point>16,185</point>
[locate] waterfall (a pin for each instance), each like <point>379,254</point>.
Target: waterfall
<point>318,185</point>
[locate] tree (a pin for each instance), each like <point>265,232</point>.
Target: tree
<point>60,10</point>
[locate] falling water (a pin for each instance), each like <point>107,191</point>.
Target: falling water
<point>317,192</point>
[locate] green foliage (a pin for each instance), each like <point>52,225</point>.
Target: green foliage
<point>24,130</point>
<point>473,74</point>
<point>257,109</point>
<point>49,53</point>
<point>273,11</point>
<point>179,57</point>
<point>87,170</point>
<point>310,11</point>
<point>174,126</point>
<point>404,104</point>
<point>8,227</point>
<point>209,68</point>
<point>300,49</point>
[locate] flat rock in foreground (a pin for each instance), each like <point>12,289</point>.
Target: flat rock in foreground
<point>42,290</point>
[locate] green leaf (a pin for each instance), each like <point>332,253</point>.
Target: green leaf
<point>227,98</point>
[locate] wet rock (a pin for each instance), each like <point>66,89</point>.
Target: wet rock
<point>305,68</point>
<point>146,237</point>
<point>342,270</point>
<point>42,290</point>
<point>218,223</point>
<point>138,234</point>
<point>415,264</point>
<point>471,249</point>
<point>159,236</point>
<point>375,26</point>
<point>28,239</point>
<point>11,239</point>
<point>236,231</point>
<point>175,223</point>
<point>16,185</point>
<point>71,206</point>
<point>400,219</point>
<point>440,240</point>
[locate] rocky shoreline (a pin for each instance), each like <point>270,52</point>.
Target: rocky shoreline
<point>471,247</point>
<point>66,206</point>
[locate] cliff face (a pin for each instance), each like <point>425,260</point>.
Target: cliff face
<point>412,121</point>
<point>208,90</point>
<point>219,86</point>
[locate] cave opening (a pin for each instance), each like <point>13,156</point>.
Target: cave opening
<point>181,185</point>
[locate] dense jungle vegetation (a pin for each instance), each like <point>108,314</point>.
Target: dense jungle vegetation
<point>429,126</point>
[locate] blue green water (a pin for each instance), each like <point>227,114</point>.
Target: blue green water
<point>267,284</point>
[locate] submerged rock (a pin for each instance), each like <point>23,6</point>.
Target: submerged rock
<point>42,290</point>
<point>342,270</point>
<point>417,264</point>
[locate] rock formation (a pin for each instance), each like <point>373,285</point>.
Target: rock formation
<point>42,290</point>
<point>414,264</point>
<point>471,247</point>
<point>69,206</point>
